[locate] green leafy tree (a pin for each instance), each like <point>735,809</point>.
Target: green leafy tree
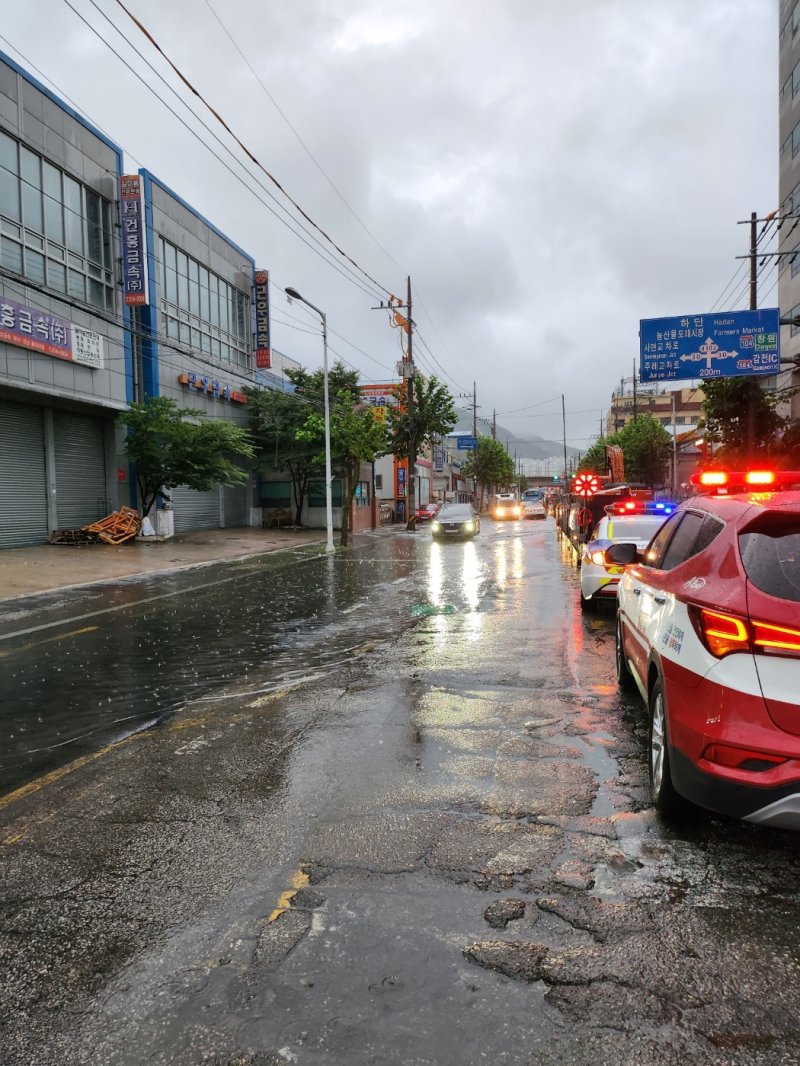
<point>737,412</point>
<point>645,449</point>
<point>434,416</point>
<point>172,446</point>
<point>276,421</point>
<point>489,464</point>
<point>595,457</point>
<point>357,436</point>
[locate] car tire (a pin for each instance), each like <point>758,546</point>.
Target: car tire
<point>624,676</point>
<point>587,606</point>
<point>666,800</point>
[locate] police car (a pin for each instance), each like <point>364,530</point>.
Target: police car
<point>630,520</point>
<point>708,630</point>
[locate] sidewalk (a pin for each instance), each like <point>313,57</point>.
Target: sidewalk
<point>26,571</point>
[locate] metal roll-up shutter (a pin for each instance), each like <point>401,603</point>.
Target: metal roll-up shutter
<point>23,482</point>
<point>235,501</point>
<point>195,510</point>
<point>80,470</point>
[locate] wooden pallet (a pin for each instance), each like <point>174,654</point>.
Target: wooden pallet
<point>117,527</point>
<point>72,536</point>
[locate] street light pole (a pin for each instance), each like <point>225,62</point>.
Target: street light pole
<point>295,295</point>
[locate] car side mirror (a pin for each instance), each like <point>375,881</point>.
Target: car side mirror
<point>621,554</point>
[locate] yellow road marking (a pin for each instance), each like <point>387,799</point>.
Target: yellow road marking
<point>299,880</point>
<point>55,775</point>
<point>48,640</point>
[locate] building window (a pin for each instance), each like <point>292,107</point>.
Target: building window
<point>361,495</point>
<point>379,482</point>
<point>53,230</point>
<point>275,493</point>
<point>794,313</point>
<point>316,493</point>
<point>796,140</point>
<point>201,310</point>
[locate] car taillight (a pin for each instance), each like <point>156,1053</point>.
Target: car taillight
<point>722,633</point>
<point>725,633</point>
<point>775,639</point>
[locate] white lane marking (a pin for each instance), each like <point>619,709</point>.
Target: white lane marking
<point>129,606</point>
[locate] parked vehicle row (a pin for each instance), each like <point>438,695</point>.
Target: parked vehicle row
<point>708,631</point>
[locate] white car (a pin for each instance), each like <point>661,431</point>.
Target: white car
<point>533,509</point>
<point>504,505</point>
<point>628,521</point>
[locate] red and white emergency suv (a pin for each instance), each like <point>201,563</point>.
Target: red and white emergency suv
<point>708,629</point>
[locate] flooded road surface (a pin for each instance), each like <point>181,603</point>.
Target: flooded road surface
<point>410,827</point>
<point>85,667</point>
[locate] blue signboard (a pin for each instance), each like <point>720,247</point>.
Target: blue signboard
<point>722,345</point>
<point>466,444</point>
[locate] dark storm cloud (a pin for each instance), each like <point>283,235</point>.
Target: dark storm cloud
<point>547,172</point>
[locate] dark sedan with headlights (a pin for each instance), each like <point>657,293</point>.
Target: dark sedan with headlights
<point>455,521</point>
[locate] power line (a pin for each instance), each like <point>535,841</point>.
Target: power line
<point>323,253</point>
<point>246,150</point>
<point>529,406</point>
<point>305,147</point>
<point>77,107</point>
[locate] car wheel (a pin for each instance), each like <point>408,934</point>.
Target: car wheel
<point>587,606</point>
<point>624,675</point>
<point>665,799</point>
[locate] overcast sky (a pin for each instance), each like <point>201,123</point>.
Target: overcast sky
<point>548,171</point>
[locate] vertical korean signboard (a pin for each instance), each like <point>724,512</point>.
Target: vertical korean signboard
<point>134,248</point>
<point>261,305</point>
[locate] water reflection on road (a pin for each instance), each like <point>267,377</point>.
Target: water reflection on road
<point>88,666</point>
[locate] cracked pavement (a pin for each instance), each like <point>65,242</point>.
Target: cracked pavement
<point>440,851</point>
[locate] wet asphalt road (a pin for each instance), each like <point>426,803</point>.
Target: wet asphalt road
<point>393,812</point>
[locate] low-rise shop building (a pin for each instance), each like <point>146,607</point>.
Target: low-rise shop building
<point>65,358</point>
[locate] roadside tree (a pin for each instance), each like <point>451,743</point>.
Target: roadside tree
<point>173,446</point>
<point>357,436</point>
<point>276,421</point>
<point>490,464</point>
<point>595,459</point>
<point>434,416</point>
<point>645,449</point>
<point>737,413</point>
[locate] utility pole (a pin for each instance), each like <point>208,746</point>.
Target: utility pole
<point>751,404</point>
<point>474,406</point>
<point>753,261</point>
<point>411,489</point>
<point>634,390</point>
<point>564,427</point>
<point>494,424</point>
<point>674,451</point>
<point>407,367</point>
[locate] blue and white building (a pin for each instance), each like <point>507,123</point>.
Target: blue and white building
<point>112,289</point>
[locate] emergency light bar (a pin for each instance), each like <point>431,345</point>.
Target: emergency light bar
<point>724,481</point>
<point>634,507</point>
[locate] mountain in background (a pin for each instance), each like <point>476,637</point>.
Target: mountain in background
<point>529,447</point>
